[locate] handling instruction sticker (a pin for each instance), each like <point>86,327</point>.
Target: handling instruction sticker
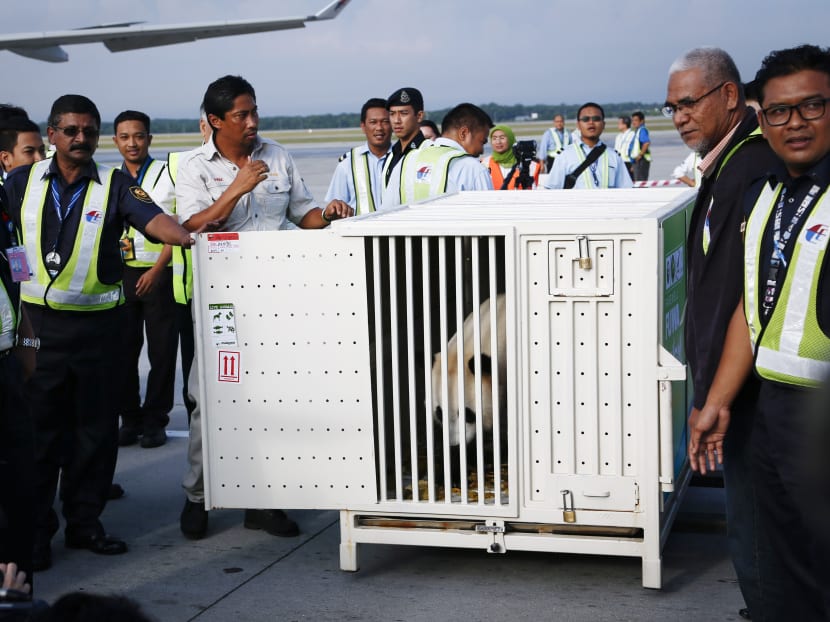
<point>228,366</point>
<point>222,324</point>
<point>226,242</point>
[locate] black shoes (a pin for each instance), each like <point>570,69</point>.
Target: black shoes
<point>193,520</point>
<point>153,437</point>
<point>128,436</point>
<point>98,543</point>
<point>274,522</point>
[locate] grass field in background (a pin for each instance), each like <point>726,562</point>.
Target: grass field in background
<point>524,129</point>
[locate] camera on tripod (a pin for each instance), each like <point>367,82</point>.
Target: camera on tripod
<point>525,152</point>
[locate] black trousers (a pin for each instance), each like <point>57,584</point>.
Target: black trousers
<point>16,468</point>
<point>73,399</point>
<point>639,170</point>
<point>798,585</point>
<point>155,312</point>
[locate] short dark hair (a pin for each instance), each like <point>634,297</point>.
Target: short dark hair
<point>626,120</point>
<point>590,105</point>
<point>374,102</point>
<point>9,111</point>
<point>792,60</point>
<point>639,114</point>
<point>431,124</point>
<point>220,94</point>
<point>466,115</point>
<point>131,115</point>
<point>10,128</point>
<point>73,104</point>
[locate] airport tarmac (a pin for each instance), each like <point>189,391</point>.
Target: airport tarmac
<point>243,575</point>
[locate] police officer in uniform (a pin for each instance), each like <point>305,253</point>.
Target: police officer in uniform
<point>406,111</point>
<point>71,213</point>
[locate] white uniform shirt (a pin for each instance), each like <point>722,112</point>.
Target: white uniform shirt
<point>567,161</point>
<point>278,202</point>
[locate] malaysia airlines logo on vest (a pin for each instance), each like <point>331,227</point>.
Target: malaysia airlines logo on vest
<point>816,234</point>
<point>424,173</point>
<point>93,217</point>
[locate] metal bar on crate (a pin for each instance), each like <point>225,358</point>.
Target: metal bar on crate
<point>429,422</point>
<point>475,258</point>
<point>459,371</point>
<point>410,371</point>
<point>396,371</point>
<point>494,377</point>
<point>445,395</point>
<point>379,392</point>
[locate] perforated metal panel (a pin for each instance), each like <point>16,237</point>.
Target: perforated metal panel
<point>295,427</point>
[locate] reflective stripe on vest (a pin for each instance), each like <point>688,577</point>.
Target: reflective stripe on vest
<point>625,145</point>
<point>587,177</point>
<point>791,348</point>
<point>76,287</point>
<point>8,320</point>
<point>424,172</point>
<point>559,143</point>
<point>147,253</point>
<point>364,201</point>
<point>753,135</point>
<point>636,146</point>
<point>182,257</point>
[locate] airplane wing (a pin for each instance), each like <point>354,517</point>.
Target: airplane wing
<point>46,46</point>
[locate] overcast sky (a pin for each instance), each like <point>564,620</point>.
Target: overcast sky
<point>452,50</point>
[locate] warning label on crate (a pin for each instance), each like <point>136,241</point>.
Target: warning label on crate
<point>224,242</point>
<point>228,366</point>
<point>222,324</point>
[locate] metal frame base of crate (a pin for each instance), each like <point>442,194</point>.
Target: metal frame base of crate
<point>593,534</point>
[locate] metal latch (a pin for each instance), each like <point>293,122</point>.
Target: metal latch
<point>568,510</point>
<point>496,528</point>
<point>584,256</point>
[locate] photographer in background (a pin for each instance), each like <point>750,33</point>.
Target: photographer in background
<point>512,165</point>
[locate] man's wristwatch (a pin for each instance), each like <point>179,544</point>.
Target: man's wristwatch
<point>30,342</point>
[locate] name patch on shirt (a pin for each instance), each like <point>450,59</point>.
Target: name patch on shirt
<point>140,194</point>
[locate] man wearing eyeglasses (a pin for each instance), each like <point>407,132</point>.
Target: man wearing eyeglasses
<point>605,169</point>
<point>71,213</point>
<point>705,100</point>
<point>785,330</point>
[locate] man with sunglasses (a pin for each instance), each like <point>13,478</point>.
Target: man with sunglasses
<point>606,171</point>
<point>71,213</point>
<point>706,102</point>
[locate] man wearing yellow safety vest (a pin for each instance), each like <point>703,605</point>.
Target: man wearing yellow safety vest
<point>358,179</point>
<point>148,290</point>
<point>588,163</point>
<point>640,149</point>
<point>554,141</point>
<point>705,100</point>
<point>239,181</point>
<point>782,330</point>
<point>406,111</point>
<point>71,213</point>
<point>450,164</point>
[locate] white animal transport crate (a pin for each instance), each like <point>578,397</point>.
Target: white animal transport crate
<point>332,377</point>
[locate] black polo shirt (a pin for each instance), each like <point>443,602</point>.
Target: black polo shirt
<point>716,278</point>
<point>399,152</point>
<point>796,190</point>
<point>125,205</point>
